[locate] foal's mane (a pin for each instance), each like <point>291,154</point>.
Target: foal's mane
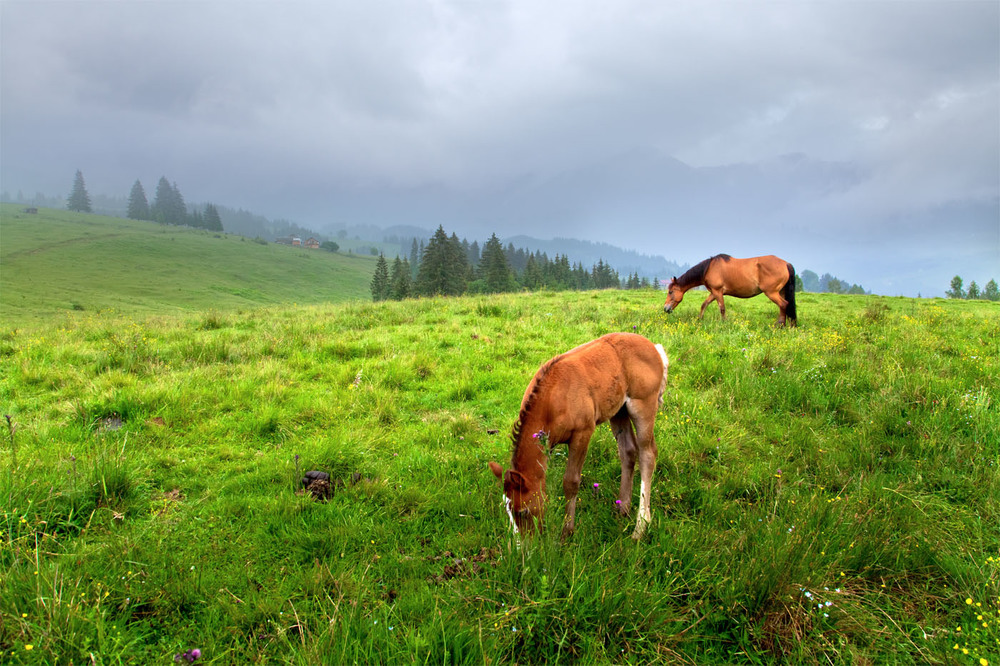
<point>515,433</point>
<point>696,274</point>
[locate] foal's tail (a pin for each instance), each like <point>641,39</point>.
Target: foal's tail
<point>789,296</point>
<point>666,365</point>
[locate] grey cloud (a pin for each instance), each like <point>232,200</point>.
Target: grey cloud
<point>818,124</point>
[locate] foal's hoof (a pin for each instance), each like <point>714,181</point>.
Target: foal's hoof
<point>640,529</point>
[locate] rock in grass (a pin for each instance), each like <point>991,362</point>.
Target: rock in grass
<point>321,490</point>
<point>318,485</point>
<point>314,475</point>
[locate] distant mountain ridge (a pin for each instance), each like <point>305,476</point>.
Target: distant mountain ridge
<point>588,253</point>
<point>626,262</point>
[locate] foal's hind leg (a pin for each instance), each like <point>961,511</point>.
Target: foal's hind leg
<point>645,420</point>
<point>621,426</point>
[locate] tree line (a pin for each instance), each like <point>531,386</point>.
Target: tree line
<point>825,284</point>
<point>447,266</point>
<point>989,293</point>
<point>168,205</point>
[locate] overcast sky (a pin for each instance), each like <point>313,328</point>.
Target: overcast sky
<point>856,138</point>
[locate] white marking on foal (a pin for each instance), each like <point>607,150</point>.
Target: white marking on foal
<point>645,515</point>
<point>510,514</point>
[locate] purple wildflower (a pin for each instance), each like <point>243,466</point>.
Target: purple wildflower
<point>190,656</point>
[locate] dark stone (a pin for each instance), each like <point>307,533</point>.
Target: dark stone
<point>315,476</point>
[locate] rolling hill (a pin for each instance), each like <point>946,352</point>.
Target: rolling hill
<point>59,260</point>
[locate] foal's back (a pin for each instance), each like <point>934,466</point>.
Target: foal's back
<point>589,384</point>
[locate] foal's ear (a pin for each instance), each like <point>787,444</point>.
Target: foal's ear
<point>514,480</point>
<point>497,470</point>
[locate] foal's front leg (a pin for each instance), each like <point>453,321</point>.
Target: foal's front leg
<point>571,480</point>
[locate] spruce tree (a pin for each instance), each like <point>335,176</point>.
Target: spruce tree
<point>459,273</point>
<point>533,278</point>
<point>973,293</point>
<point>442,270</point>
<point>161,200</point>
<point>415,253</point>
<point>138,205</point>
<point>79,200</point>
<point>380,281</point>
<point>180,208</point>
<point>399,279</point>
<point>168,205</point>
<point>493,267</point>
<point>212,220</point>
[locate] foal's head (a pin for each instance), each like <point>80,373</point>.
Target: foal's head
<point>674,296</point>
<point>525,505</point>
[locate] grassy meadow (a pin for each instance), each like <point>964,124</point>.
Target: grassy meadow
<point>58,260</point>
<point>825,494</point>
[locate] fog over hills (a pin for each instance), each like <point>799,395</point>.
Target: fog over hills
<point>856,138</point>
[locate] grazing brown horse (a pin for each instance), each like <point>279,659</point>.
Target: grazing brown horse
<point>742,278</point>
<point>619,377</point>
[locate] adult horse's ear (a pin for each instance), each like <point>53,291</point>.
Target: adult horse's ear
<point>497,470</point>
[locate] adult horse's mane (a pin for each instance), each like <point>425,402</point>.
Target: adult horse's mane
<point>696,274</point>
<point>515,433</point>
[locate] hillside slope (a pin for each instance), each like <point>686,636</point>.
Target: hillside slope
<point>60,260</point>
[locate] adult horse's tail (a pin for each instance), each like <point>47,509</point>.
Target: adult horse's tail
<point>789,296</point>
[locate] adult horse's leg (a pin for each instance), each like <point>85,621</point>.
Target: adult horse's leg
<point>711,297</point>
<point>714,295</point>
<point>578,444</point>
<point>778,300</point>
<point>621,426</point>
<point>644,418</point>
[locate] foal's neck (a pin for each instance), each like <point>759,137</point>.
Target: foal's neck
<point>530,456</point>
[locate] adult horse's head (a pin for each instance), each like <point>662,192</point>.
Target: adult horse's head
<point>525,506</point>
<point>674,296</point>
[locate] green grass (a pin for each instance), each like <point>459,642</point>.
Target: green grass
<point>825,494</point>
<point>58,261</point>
